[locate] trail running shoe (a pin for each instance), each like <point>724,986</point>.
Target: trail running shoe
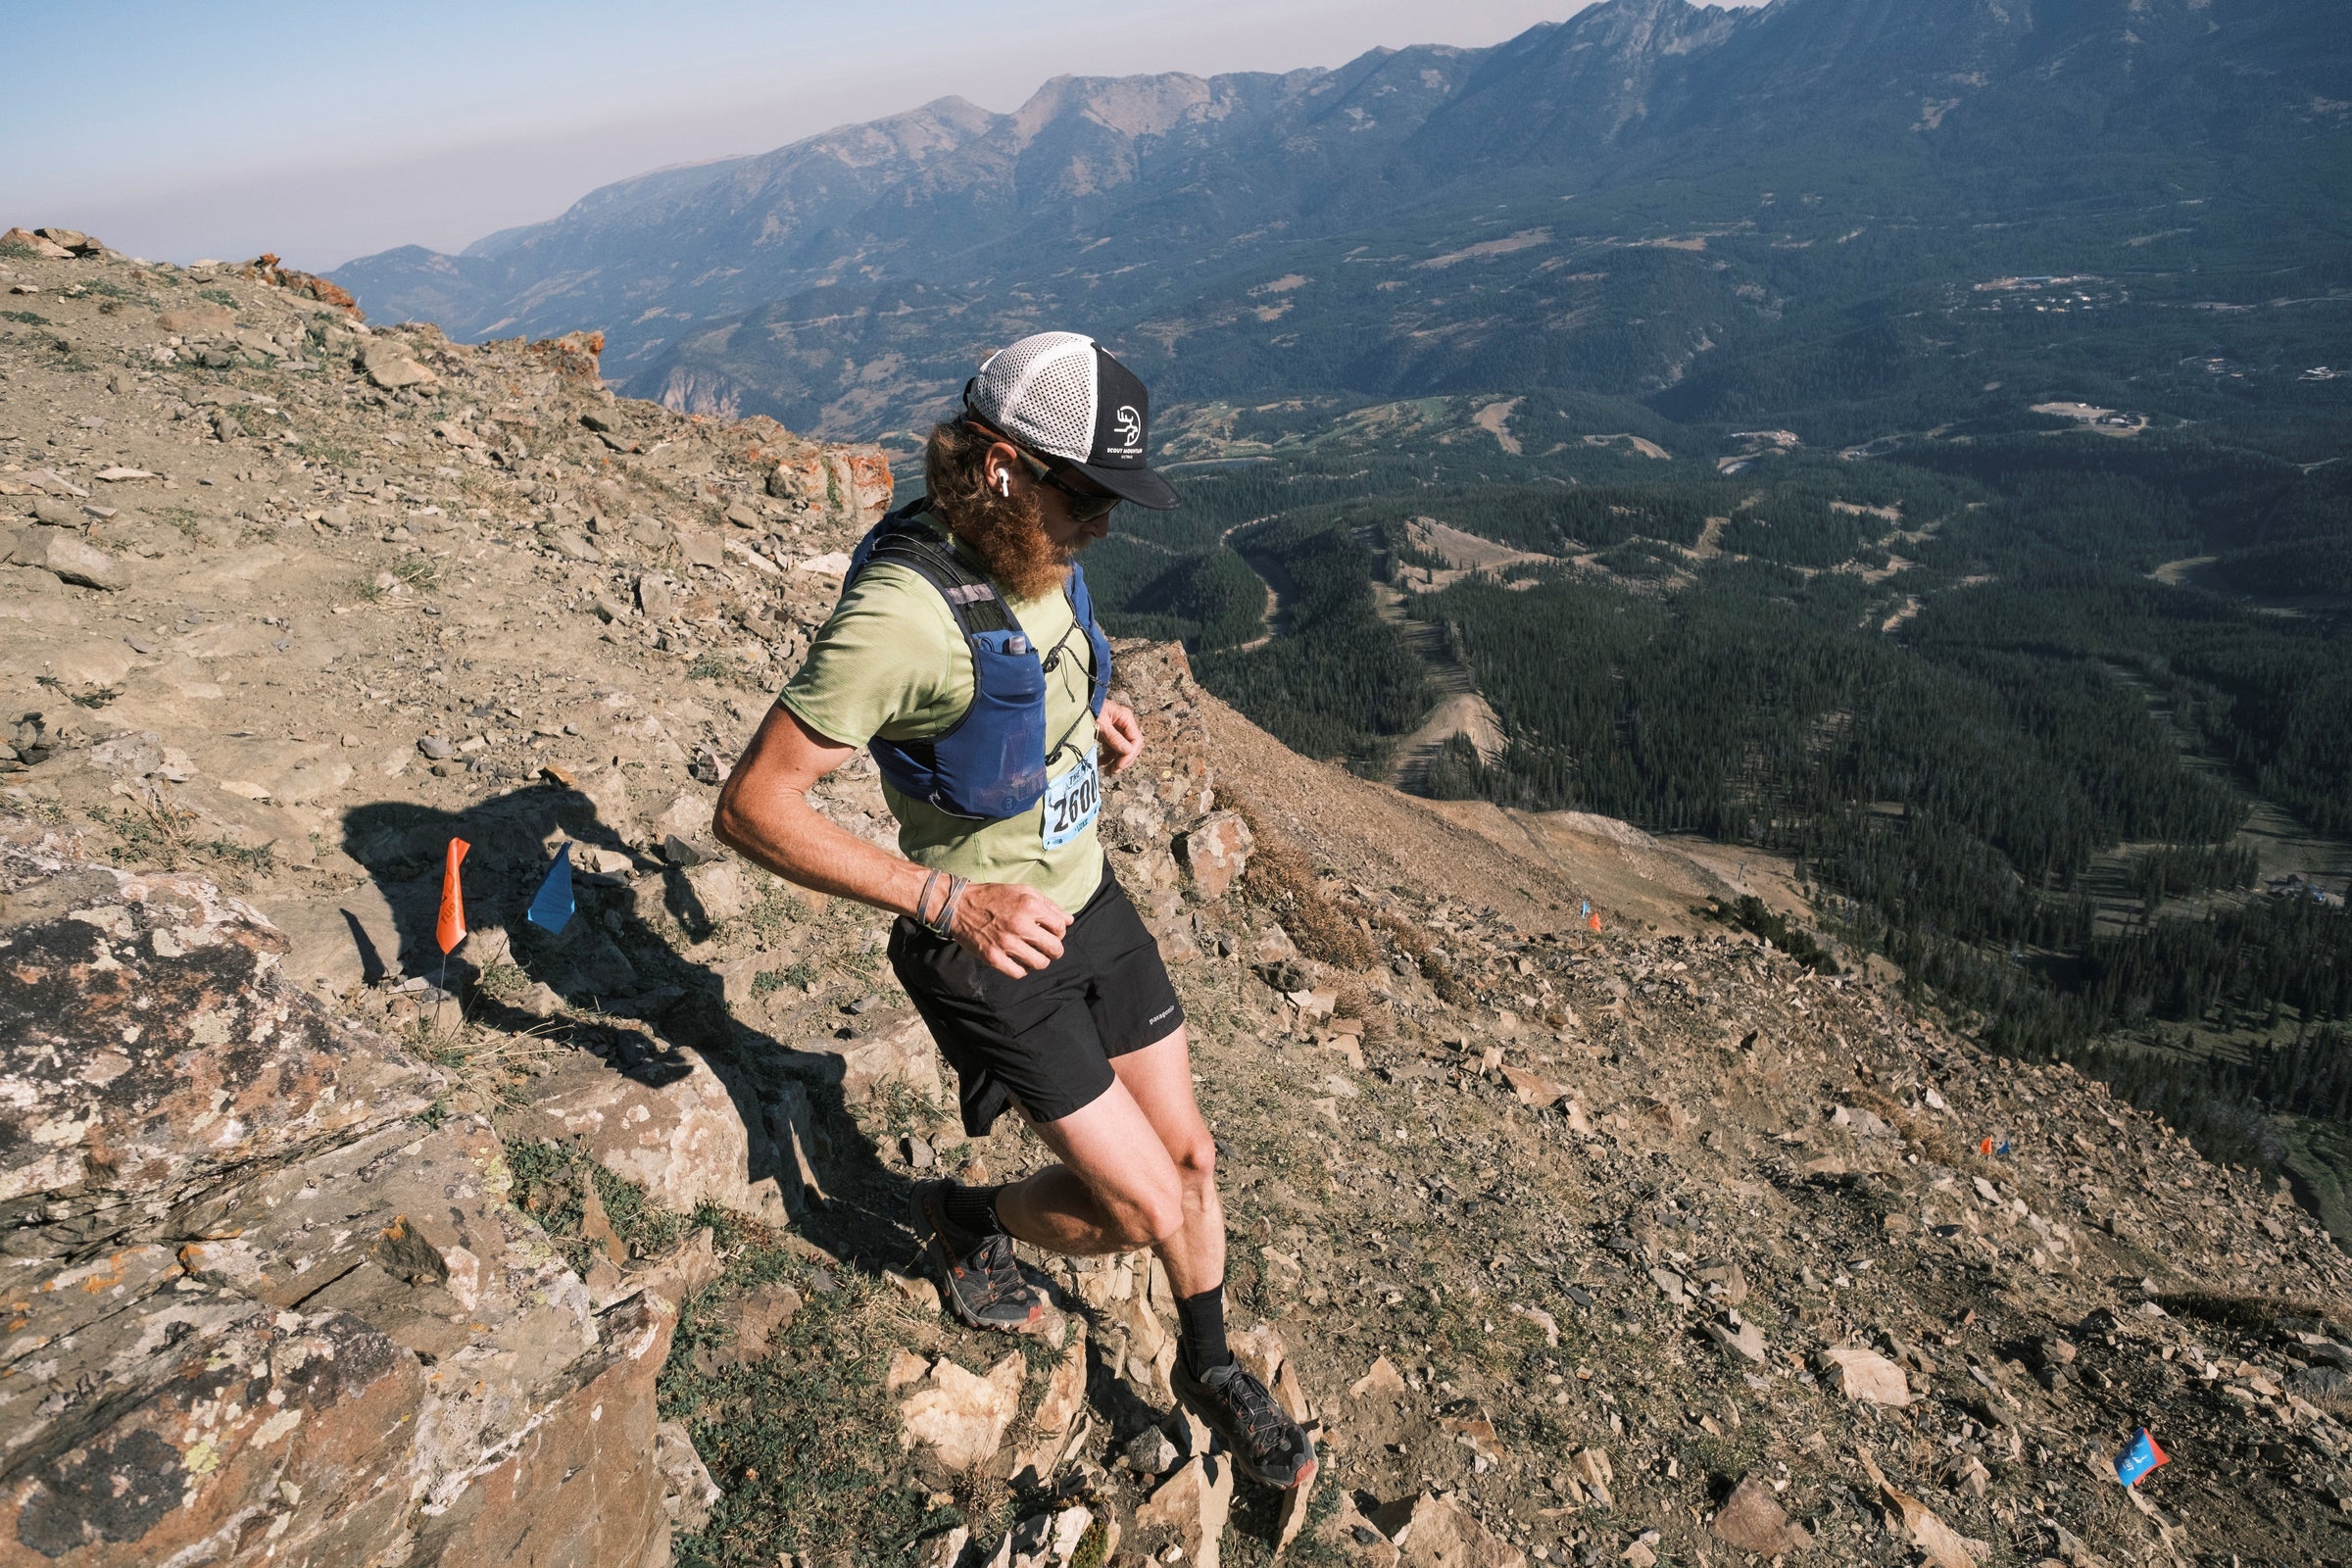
<point>1266,1444</point>
<point>980,1279</point>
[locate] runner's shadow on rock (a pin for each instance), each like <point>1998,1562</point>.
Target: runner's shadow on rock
<point>614,993</point>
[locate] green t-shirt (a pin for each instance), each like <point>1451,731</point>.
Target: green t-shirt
<point>892,662</point>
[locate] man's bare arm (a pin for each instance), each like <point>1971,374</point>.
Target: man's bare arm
<point>764,816</point>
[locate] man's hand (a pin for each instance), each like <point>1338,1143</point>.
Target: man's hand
<point>1121,737</point>
<point>1013,929</point>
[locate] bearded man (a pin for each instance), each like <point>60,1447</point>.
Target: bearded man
<point>964,653</point>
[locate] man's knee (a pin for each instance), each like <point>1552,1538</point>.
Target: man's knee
<point>1152,1218</point>
<point>1196,1157</point>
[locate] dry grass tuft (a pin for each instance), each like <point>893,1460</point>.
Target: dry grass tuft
<point>1283,879</point>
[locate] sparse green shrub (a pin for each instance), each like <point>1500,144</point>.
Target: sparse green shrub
<point>550,1181</point>
<point>1750,913</point>
<point>800,1440</point>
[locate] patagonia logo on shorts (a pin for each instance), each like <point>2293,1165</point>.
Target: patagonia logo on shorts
<point>1155,1017</point>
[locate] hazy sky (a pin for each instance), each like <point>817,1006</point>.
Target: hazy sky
<point>324,132</point>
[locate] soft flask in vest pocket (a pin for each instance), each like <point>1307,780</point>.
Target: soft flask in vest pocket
<point>991,764</point>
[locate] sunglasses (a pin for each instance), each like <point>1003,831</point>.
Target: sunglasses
<point>1085,505</point>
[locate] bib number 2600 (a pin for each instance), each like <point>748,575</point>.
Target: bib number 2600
<point>1073,800</point>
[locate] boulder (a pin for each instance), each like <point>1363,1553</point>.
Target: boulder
<point>656,597</point>
<point>961,1416</point>
<point>66,554</point>
<point>670,1123</point>
<point>47,250</point>
<point>1048,1425</point>
<point>186,1064</point>
<point>697,548</point>
<point>191,320</point>
<point>1736,1336</point>
<point>71,240</point>
<point>1530,1087</point>
<point>1863,1375</point>
<point>1191,1507</point>
<point>1752,1519</point>
<point>2327,1387</point>
<point>1433,1533</point>
<point>388,363</point>
<point>853,484</point>
<point>690,1491</point>
<point>892,1046</point>
<point>314,1329</point>
<point>721,888</point>
<point>1216,853</point>
<point>584,1484</point>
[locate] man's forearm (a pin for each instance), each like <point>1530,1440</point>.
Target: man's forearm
<point>792,839</point>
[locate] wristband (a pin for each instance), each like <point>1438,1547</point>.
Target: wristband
<point>944,924</point>
<point>924,897</point>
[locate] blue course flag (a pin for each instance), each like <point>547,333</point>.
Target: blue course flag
<point>552,905</point>
<point>1585,910</point>
<point>2139,1459</point>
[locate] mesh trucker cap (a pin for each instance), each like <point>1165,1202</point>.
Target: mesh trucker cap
<point>1062,395</point>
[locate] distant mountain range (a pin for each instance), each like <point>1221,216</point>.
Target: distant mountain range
<point>1706,209</point>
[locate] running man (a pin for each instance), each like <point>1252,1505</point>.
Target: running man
<point>964,655</point>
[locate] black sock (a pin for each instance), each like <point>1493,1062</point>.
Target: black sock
<point>973,1210</point>
<point>1201,1329</point>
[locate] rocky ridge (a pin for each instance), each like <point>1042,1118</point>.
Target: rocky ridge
<point>1646,1243</point>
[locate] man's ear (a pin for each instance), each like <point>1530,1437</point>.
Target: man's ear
<point>998,467</point>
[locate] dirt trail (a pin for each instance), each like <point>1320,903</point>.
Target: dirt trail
<point>1495,420</point>
<point>1460,708</point>
<point>1267,571</point>
<point>1710,540</point>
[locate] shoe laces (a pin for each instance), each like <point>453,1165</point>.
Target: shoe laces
<point>1262,1422</point>
<point>1000,1273</point>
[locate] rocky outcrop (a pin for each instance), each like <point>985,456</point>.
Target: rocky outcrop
<point>850,484</point>
<point>266,1302</point>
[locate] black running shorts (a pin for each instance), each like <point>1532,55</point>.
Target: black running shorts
<point>1046,1040</point>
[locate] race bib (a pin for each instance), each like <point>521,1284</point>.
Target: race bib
<point>1073,801</point>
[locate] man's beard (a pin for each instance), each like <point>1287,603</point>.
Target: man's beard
<point>1009,537</point>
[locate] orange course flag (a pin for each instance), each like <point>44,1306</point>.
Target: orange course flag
<point>452,929</point>
<point>1593,921</point>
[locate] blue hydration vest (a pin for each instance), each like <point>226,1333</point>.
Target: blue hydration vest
<point>991,764</point>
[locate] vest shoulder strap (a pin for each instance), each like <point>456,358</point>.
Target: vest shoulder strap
<point>971,598</point>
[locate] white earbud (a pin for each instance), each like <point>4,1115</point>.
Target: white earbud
<point>1004,484</point>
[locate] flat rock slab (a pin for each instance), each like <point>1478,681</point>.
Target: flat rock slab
<point>263,1311</point>
<point>184,1061</point>
<point>673,1124</point>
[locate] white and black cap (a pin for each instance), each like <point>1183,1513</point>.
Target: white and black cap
<point>1061,395</point>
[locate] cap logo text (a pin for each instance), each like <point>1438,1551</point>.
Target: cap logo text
<point>1130,428</point>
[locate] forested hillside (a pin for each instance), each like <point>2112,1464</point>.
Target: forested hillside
<point>2007,695</point>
